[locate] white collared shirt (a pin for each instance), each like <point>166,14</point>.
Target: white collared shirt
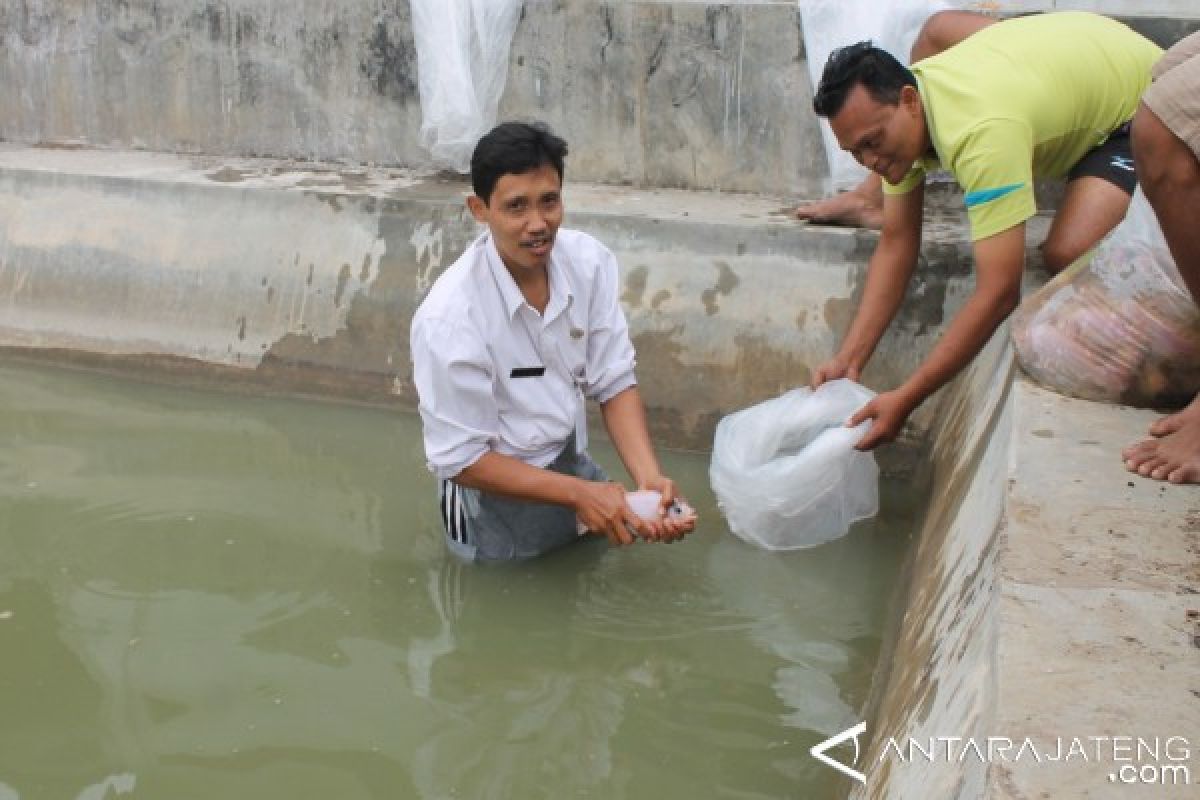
<point>478,347</point>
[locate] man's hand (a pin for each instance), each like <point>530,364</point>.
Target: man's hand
<point>999,260</point>
<point>837,367</point>
<point>602,508</point>
<point>667,528</point>
<point>888,412</point>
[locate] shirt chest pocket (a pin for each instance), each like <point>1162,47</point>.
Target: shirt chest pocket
<point>571,350</point>
<point>546,373</point>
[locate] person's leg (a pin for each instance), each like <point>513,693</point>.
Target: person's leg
<point>1166,149</point>
<point>945,29</point>
<point>1170,175</point>
<point>1090,209</point>
<point>862,206</point>
<point>1099,187</point>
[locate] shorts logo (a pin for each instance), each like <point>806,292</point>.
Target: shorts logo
<point>1123,162</point>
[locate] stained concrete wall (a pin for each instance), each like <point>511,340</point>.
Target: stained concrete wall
<point>939,677</point>
<point>278,276</point>
<point>1048,597</point>
<point>681,94</point>
<point>684,94</point>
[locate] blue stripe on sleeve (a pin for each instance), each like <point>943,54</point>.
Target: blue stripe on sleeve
<point>987,195</point>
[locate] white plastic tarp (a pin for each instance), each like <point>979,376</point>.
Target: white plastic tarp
<point>462,65</point>
<point>830,24</point>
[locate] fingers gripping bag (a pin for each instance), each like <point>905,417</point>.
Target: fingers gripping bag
<point>1120,327</point>
<point>785,472</point>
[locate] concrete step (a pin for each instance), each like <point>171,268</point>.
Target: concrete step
<point>683,94</point>
<point>280,275</point>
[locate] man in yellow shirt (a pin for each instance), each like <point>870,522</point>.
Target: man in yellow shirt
<point>1040,96</point>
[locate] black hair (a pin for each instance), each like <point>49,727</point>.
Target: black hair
<point>514,148</point>
<point>863,64</point>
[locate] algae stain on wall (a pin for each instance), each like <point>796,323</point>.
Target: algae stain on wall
<point>426,239</point>
<point>635,286</point>
<point>367,357</point>
<point>727,281</point>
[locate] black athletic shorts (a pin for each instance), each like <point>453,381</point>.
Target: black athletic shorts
<point>1112,161</point>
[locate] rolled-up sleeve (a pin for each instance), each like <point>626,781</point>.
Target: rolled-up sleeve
<point>610,355</point>
<point>452,373</point>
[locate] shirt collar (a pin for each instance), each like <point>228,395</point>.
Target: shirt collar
<point>509,292</point>
<point>560,293</point>
<point>560,289</point>
<point>925,160</point>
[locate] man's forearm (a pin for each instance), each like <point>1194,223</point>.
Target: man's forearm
<point>888,273</point>
<point>625,418</point>
<point>999,262</point>
<point>511,477</point>
<point>970,330</point>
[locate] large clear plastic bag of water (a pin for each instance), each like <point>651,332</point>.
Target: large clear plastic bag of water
<point>462,66</point>
<point>1120,327</point>
<point>785,472</point>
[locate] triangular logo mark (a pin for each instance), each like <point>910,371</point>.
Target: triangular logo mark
<point>818,751</point>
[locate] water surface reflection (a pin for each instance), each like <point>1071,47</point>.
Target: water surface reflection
<point>205,595</point>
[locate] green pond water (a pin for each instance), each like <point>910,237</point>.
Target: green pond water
<point>214,596</point>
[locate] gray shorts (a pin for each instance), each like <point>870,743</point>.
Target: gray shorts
<point>480,526</point>
<point>1174,97</point>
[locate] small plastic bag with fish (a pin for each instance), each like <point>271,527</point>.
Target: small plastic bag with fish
<point>1119,327</point>
<point>646,503</point>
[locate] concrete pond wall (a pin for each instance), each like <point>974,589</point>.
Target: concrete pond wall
<point>282,277</point>
<point>650,93</point>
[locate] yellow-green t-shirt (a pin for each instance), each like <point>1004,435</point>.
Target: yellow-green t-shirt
<point>1026,97</point>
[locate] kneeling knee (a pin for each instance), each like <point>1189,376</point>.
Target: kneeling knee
<point>1056,257</point>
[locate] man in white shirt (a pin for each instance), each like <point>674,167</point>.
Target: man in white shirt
<point>506,346</point>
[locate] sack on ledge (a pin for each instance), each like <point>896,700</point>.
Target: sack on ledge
<point>1120,327</point>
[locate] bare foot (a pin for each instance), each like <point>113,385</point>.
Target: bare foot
<point>1169,424</point>
<point>850,208</point>
<point>1173,454</point>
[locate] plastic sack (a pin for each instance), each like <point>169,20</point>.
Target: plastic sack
<point>462,64</point>
<point>830,24</point>
<point>1120,327</point>
<point>785,472</point>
